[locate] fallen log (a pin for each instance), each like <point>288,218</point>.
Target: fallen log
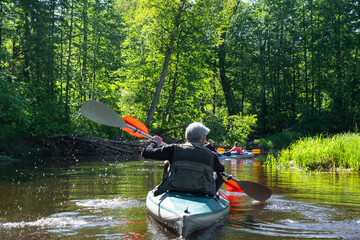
<point>73,145</point>
<point>106,145</point>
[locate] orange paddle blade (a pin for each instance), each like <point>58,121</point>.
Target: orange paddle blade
<point>232,186</point>
<point>221,149</point>
<point>256,151</point>
<point>137,124</point>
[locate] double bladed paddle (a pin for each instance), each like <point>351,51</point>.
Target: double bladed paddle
<point>256,151</point>
<point>101,113</point>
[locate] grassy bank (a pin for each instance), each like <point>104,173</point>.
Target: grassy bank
<point>321,152</point>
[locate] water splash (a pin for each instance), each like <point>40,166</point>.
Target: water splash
<point>106,203</point>
<point>58,222</point>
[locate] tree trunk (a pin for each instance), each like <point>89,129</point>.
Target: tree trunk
<point>231,103</point>
<point>25,46</point>
<point>1,25</point>
<point>161,83</point>
<point>51,84</point>
<point>307,107</point>
<point>67,87</point>
<point>165,66</point>
<point>85,53</point>
<point>263,112</point>
<point>61,58</point>
<point>171,99</point>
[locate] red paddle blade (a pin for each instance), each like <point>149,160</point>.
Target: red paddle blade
<point>232,186</point>
<point>137,124</point>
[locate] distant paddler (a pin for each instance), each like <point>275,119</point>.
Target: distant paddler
<point>210,145</point>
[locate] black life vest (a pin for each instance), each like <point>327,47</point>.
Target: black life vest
<point>191,171</point>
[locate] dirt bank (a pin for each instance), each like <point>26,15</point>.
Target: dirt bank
<point>69,149</point>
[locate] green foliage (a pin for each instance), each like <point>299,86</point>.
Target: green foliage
<point>290,64</point>
<point>13,116</point>
<point>329,152</point>
<point>279,140</point>
<point>227,130</point>
<point>239,128</point>
<point>218,131</point>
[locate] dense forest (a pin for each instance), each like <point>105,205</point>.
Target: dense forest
<point>238,66</point>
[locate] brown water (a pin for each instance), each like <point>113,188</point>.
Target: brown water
<point>107,201</point>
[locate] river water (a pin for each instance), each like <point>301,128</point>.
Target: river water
<point>107,201</point>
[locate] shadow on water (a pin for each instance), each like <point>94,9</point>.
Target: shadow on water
<point>107,201</point>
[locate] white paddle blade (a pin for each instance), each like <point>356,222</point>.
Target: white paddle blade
<point>101,113</point>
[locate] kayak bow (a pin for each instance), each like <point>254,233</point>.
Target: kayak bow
<point>185,213</point>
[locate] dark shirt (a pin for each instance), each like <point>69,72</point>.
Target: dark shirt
<point>167,153</point>
<point>209,146</point>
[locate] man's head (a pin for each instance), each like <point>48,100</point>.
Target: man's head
<point>196,133</point>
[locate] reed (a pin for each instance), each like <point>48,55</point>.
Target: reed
<point>341,151</point>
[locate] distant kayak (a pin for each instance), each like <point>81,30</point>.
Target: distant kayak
<point>237,156</point>
<point>185,213</point>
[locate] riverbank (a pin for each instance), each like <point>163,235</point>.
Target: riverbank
<point>67,149</point>
<point>339,151</point>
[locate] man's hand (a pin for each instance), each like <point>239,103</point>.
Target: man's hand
<point>158,140</point>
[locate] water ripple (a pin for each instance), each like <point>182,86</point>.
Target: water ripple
<point>295,219</point>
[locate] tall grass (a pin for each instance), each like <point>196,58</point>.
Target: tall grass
<point>321,152</point>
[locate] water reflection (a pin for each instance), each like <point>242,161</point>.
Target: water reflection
<point>304,205</point>
<point>107,201</point>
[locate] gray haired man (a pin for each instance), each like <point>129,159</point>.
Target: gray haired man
<point>192,165</point>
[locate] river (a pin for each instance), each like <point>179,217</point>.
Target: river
<point>100,200</point>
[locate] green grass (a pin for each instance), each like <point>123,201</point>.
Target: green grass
<point>321,152</point>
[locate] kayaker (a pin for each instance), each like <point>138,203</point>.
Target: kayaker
<point>210,145</point>
<point>236,149</point>
<point>193,167</point>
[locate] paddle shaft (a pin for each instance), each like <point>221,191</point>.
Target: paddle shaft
<point>229,177</point>
<point>135,129</point>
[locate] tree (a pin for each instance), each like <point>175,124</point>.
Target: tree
<point>172,28</point>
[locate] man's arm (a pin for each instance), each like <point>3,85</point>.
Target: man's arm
<point>158,153</point>
<point>218,166</point>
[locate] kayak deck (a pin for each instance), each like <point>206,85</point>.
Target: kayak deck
<point>185,213</point>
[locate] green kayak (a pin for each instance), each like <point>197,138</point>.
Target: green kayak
<point>185,213</point>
